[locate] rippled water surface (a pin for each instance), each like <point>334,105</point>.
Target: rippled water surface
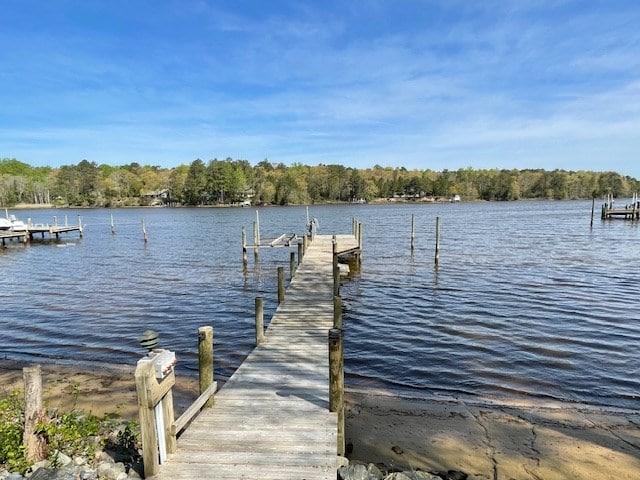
<point>528,300</point>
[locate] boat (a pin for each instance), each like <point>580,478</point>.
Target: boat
<point>11,223</point>
<point>5,224</point>
<point>17,225</point>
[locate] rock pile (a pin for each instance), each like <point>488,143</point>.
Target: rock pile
<point>357,471</point>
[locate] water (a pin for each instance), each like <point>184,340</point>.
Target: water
<point>528,301</point>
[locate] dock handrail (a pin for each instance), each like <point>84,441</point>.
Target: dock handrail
<point>155,378</point>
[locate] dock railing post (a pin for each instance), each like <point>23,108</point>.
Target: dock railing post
<point>80,229</point>
<point>205,360</point>
<point>155,410</point>
<point>259,320</point>
<point>336,383</point>
<point>280,284</point>
<point>305,244</point>
<point>300,252</point>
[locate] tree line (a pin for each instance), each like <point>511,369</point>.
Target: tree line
<point>229,181</point>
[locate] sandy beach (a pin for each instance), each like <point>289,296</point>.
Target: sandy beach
<point>483,438</point>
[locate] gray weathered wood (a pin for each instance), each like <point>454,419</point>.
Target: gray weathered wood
<point>34,445</point>
<point>271,419</point>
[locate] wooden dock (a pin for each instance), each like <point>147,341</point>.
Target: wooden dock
<point>41,229</point>
<point>628,212</point>
<point>271,420</point>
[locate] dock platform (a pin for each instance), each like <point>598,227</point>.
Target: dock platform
<point>271,420</point>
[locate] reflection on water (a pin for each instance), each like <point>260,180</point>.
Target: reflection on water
<point>527,299</point>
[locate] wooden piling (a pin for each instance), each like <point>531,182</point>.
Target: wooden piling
<point>292,264</point>
<point>244,249</point>
<point>337,311</point>
<point>413,231</point>
<point>256,242</point>
<point>34,444</point>
<point>257,228</point>
<point>300,252</point>
<point>437,255</point>
<point>205,360</point>
<point>259,320</point>
<point>336,383</point>
<point>144,232</point>
<point>144,376</point>
<point>113,226</point>
<point>305,244</point>
<point>593,207</point>
<point>280,284</point>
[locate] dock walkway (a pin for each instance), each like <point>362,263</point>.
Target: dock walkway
<point>271,420</point>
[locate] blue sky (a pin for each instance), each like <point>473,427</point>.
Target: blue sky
<point>438,84</point>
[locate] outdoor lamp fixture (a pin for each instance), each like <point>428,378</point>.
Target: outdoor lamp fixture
<point>149,340</point>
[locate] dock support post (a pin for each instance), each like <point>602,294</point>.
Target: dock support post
<point>413,231</point>
<point>305,244</point>
<point>292,264</point>
<point>337,311</point>
<point>244,249</point>
<point>34,444</point>
<point>205,360</point>
<point>280,284</point>
<point>113,226</point>
<point>259,320</point>
<point>336,383</point>
<point>336,268</point>
<point>360,235</point>
<point>593,207</point>
<point>300,254</point>
<point>437,255</point>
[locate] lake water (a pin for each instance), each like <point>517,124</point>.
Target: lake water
<point>529,301</point>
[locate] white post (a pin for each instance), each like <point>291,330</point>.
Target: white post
<point>162,444</point>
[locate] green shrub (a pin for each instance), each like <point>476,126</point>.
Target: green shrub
<point>12,452</point>
<point>73,433</point>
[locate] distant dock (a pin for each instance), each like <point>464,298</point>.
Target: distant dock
<point>628,212</point>
<point>33,230</point>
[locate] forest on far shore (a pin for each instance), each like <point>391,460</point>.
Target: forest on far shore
<point>228,182</point>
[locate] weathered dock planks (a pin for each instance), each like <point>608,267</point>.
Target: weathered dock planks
<point>271,420</point>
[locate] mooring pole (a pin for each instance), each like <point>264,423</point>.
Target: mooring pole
<point>244,249</point>
<point>437,255</point>
<point>413,231</point>
<point>144,232</point>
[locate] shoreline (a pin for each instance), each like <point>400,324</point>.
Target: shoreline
<point>484,438</point>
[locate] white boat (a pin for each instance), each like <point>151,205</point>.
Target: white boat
<point>17,225</point>
<point>5,224</point>
<point>10,222</point>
